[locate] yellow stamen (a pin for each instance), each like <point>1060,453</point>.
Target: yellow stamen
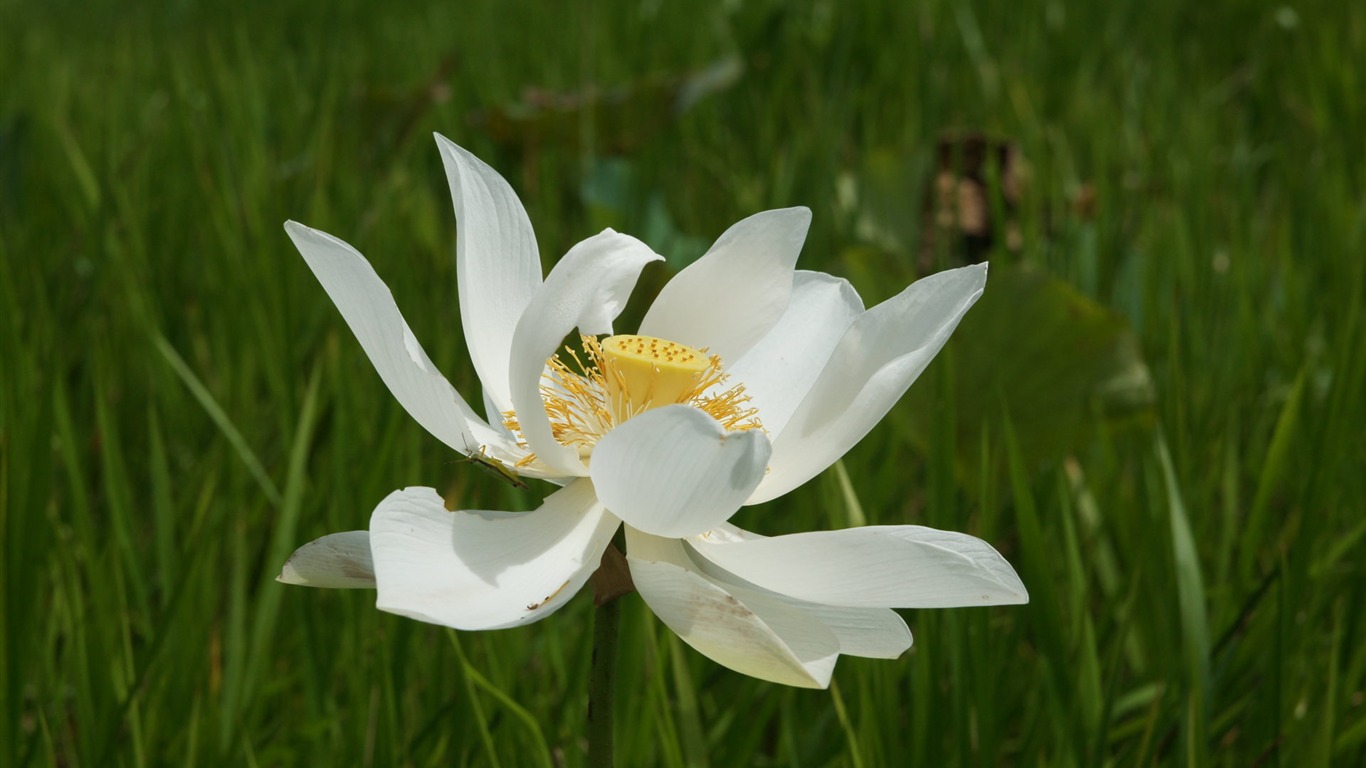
<point>625,376</point>
<point>652,372</point>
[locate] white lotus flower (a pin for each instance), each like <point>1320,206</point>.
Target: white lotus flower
<point>746,379</point>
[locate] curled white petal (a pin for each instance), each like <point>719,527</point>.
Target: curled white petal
<point>369,309</point>
<point>728,299</point>
<point>498,268</point>
<point>735,627</point>
<point>674,471</point>
<point>871,632</point>
<point>901,566</point>
<point>475,569</point>
<point>587,290</point>
<point>335,561</point>
<point>778,371</point>
<point>874,633</point>
<point>869,370</point>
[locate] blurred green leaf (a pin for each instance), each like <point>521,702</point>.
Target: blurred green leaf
<point>1057,364</point>
<point>615,197</point>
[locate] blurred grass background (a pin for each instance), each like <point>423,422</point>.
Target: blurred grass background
<point>1156,413</point>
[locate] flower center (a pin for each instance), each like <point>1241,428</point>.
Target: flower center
<point>651,372</point>
<point>624,376</point>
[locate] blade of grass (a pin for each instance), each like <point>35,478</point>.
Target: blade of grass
<point>266,610</point>
<point>688,720</point>
<point>851,740</point>
<point>476,708</point>
<point>1190,596</point>
<point>853,510</point>
<point>220,418</point>
<point>538,745</point>
<point>1273,468</point>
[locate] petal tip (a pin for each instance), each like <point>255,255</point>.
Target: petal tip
<point>445,145</point>
<point>289,576</point>
<point>1011,591</point>
<point>798,217</point>
<point>301,233</point>
<point>982,276</point>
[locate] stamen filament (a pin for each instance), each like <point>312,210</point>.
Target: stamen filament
<point>623,377</point>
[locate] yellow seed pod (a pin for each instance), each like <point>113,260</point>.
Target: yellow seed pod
<point>646,372</point>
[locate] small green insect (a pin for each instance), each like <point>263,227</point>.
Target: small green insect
<point>494,468</point>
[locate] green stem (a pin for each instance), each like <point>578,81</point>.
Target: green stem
<point>602,685</point>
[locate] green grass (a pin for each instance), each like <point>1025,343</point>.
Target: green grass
<point>180,404</point>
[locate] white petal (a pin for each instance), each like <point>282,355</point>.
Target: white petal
<point>674,471</point>
<point>872,632</point>
<point>368,307</point>
<point>336,561</point>
<point>497,266</point>
<point>871,368</point>
<point>482,569</point>
<point>587,289</point>
<point>779,370</point>
<point>734,627</point>
<point>900,566</point>
<point>728,299</point>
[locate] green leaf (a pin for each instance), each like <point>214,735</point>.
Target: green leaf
<point>1057,364</point>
